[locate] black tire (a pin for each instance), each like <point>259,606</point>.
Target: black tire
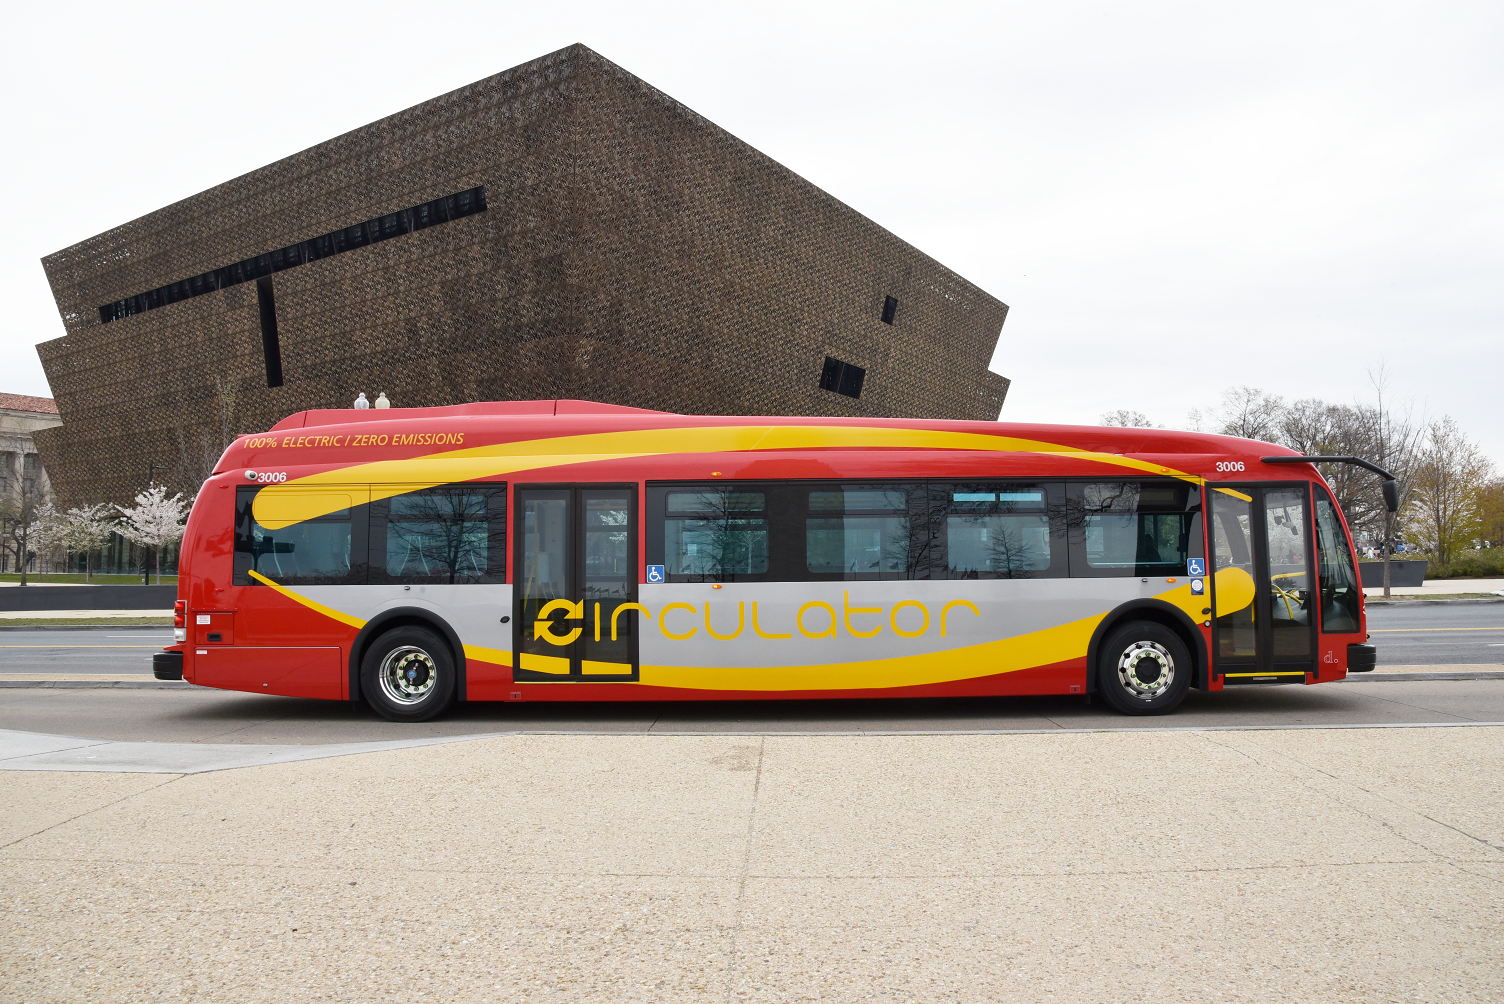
<point>1144,668</point>
<point>408,675</point>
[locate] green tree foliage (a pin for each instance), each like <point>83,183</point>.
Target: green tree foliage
<point>1448,491</point>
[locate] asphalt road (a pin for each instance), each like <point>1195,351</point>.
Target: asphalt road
<point>1437,634</point>
<point>195,715</point>
<point>108,651</point>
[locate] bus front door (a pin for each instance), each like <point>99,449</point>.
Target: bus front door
<point>575,566</point>
<point>1264,627</point>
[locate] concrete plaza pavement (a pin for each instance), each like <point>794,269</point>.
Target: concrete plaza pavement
<point>1316,865</point>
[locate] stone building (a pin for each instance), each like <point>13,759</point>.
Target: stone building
<point>561,229</point>
<point>21,417</point>
<point>21,470</point>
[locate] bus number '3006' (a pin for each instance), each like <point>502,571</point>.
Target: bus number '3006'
<point>266,477</point>
<point>1229,465</point>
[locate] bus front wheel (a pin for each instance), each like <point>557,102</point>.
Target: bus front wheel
<point>1144,669</point>
<point>408,675</point>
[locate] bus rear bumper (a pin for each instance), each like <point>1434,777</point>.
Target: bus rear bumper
<point>167,665</point>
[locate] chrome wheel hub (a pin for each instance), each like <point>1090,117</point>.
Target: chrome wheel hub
<point>408,674</point>
<point>1146,670</point>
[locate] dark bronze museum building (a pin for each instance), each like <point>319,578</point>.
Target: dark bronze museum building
<point>561,229</point>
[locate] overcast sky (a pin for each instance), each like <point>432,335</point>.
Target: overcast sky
<point>1172,198</point>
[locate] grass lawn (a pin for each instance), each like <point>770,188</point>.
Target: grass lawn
<point>78,577</point>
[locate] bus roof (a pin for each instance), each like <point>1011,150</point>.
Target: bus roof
<point>519,420</point>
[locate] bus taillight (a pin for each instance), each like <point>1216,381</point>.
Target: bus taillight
<point>180,620</point>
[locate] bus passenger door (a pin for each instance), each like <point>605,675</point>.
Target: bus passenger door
<point>1264,604</point>
<point>576,565</point>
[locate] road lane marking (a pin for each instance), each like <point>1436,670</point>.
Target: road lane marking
<point>1411,630</point>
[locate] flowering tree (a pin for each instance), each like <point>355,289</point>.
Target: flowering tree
<point>50,529</point>
<point>89,529</point>
<point>156,520</point>
<point>82,529</point>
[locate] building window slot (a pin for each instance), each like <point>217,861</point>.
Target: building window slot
<point>271,347</point>
<point>842,377</point>
<point>450,207</point>
<point>890,309</point>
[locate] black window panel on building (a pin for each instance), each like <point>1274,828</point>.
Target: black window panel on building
<point>890,309</point>
<point>441,210</point>
<point>1002,530</point>
<point>842,377</point>
<point>444,535</point>
<point>327,550</point>
<point>1135,527</point>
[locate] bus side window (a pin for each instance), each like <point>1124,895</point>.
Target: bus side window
<point>709,533</point>
<point>1338,577</point>
<point>325,550</point>
<point>443,535</point>
<point>1000,530</point>
<point>1123,528</point>
<point>861,531</point>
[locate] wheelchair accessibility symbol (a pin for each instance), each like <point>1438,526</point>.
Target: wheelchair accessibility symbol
<point>655,573</point>
<point>1195,566</point>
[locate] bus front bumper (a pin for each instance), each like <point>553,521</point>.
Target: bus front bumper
<point>1362,658</point>
<point>167,665</point>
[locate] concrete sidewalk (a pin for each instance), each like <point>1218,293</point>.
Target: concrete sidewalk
<point>1440,588</point>
<point>1336,865</point>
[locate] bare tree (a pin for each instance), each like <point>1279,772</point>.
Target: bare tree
<point>1249,413</point>
<point>1390,438</point>
<point>199,451</point>
<point>1448,486</point>
<point>1491,504</point>
<point>1125,418</point>
<point>20,507</point>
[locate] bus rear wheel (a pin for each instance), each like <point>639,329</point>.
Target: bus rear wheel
<point>1144,669</point>
<point>408,675</point>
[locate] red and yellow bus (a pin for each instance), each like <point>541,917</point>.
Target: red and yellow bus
<point>566,550</point>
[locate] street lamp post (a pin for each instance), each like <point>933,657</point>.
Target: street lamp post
<point>151,469</point>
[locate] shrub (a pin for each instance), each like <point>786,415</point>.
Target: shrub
<point>1470,564</point>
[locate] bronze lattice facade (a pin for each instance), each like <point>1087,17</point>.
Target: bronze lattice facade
<point>624,249</point>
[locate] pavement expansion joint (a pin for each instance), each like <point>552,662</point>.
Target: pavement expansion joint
<point>37,751</point>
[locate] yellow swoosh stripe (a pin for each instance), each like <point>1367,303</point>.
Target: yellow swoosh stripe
<point>313,605</point>
<point>1005,655</point>
<point>397,477</point>
<point>495,656</point>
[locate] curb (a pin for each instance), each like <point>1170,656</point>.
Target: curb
<point>83,627</point>
<point>92,685</point>
<point>1403,677</point>
<point>1430,602</point>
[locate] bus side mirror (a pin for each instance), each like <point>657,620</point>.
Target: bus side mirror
<point>1392,495</point>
